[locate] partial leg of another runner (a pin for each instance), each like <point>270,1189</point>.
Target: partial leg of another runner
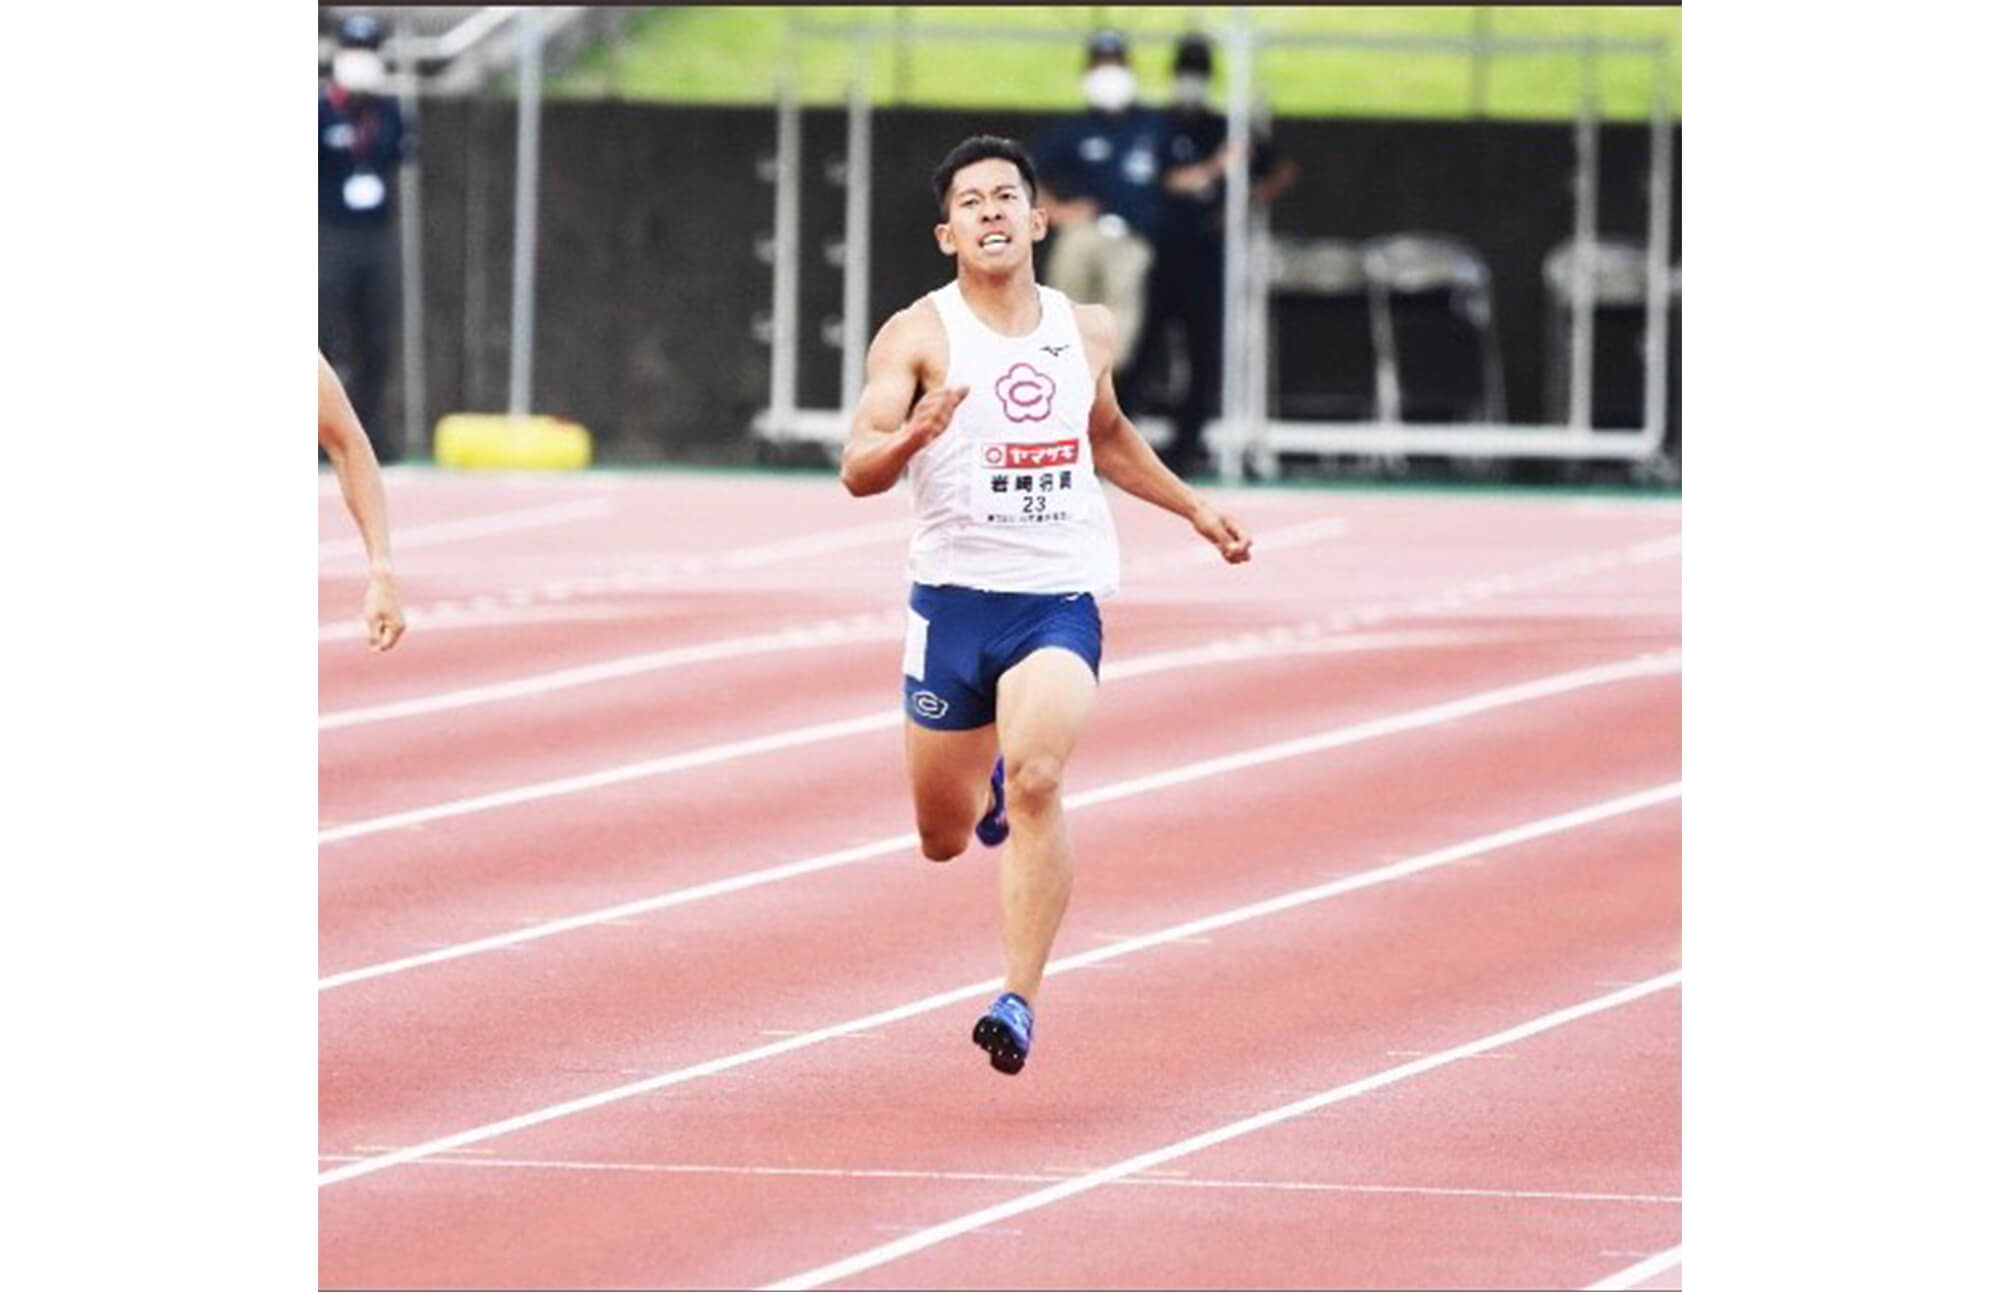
<point>1044,701</point>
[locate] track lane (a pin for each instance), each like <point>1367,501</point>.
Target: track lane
<point>468,1042</point>
<point>619,1226</point>
<point>1107,1080</point>
<point>1589,1109</point>
<point>1378,555</point>
<point>393,894</point>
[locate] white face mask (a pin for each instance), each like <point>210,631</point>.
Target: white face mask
<point>1190,90</point>
<point>359,70</point>
<point>1110,86</point>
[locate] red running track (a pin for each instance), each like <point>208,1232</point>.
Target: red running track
<point>1552,1160</point>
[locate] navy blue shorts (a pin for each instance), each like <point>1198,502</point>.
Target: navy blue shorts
<point>960,641</point>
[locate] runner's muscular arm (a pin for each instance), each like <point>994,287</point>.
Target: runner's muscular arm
<point>353,458</point>
<point>1126,460</point>
<point>887,430</point>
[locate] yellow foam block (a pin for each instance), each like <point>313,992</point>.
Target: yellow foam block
<point>495,441</point>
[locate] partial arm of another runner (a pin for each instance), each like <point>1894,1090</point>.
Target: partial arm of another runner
<point>1126,460</point>
<point>888,428</point>
<point>353,457</point>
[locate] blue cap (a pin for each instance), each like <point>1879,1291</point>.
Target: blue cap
<point>361,31</point>
<point>1105,44</point>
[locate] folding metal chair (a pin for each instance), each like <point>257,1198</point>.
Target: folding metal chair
<point>1431,309</point>
<point>1323,362</point>
<point>1617,333</point>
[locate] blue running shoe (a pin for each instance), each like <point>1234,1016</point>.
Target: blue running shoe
<point>1006,1032</point>
<point>992,828</point>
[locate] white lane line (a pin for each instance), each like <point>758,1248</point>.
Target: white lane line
<point>1242,645</point>
<point>1600,811</point>
<point>1639,1273</point>
<point>1307,1186</point>
<point>1003,1177</point>
<point>468,617</point>
<point>1448,600</point>
<point>787,549</point>
<point>826,632</point>
<point>704,757</point>
<point>886,625</point>
<point>1466,706</point>
<point>451,531</point>
<point>656,575</point>
<point>931,1237</point>
<point>1422,639</point>
<point>1268,541</point>
<point>1254,646</point>
<point>871,628</point>
<point>455,614</point>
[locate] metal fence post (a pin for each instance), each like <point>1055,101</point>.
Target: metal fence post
<point>785,246</point>
<point>1481,58</point>
<point>521,337</point>
<point>1659,234</point>
<point>1583,259</point>
<point>854,261</point>
<point>1235,262</point>
<point>416,432</point>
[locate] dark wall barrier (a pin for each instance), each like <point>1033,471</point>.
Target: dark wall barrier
<point>649,286</point>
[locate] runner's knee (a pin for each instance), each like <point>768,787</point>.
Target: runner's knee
<point>1034,784</point>
<point>942,844</point>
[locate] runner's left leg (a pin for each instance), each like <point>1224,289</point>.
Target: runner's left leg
<point>948,775</point>
<point>1043,703</point>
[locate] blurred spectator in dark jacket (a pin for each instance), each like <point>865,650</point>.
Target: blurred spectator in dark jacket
<point>1184,291</point>
<point>362,141</point>
<point>1100,173</point>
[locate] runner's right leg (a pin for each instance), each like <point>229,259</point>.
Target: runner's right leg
<point>949,771</point>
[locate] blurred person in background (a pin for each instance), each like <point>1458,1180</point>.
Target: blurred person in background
<point>1101,171</point>
<point>1184,290</point>
<point>347,447</point>
<point>362,141</point>
<point>997,396</point>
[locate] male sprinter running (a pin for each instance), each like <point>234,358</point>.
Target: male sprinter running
<point>996,394</point>
<point>353,458</point>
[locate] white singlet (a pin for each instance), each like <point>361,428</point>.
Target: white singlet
<point>1007,499</point>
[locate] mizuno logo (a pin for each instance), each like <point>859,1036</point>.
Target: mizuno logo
<point>1055,350</point>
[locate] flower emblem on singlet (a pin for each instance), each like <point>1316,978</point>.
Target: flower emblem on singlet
<point>1026,393</point>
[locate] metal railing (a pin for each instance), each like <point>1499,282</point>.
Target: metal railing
<point>1244,433</point>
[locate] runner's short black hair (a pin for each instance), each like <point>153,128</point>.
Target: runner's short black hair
<point>980,148</point>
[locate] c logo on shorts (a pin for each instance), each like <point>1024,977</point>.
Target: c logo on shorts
<point>928,705</point>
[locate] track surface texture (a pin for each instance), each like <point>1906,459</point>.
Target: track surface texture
<point>633,977</point>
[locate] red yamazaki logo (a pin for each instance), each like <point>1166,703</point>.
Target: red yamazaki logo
<point>1056,453</point>
<point>1026,394</point>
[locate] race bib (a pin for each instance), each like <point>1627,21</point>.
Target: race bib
<point>364,191</point>
<point>1027,483</point>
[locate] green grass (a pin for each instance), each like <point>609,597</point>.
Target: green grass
<point>730,54</point>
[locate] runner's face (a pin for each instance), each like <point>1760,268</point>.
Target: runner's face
<point>990,221</point>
